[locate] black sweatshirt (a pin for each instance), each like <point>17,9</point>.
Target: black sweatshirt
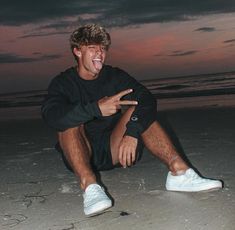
<point>72,100</point>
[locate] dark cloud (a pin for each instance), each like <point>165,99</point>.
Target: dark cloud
<point>179,53</point>
<point>230,41</point>
<point>110,13</point>
<point>8,58</point>
<point>26,11</point>
<point>43,34</point>
<point>49,57</point>
<point>206,29</point>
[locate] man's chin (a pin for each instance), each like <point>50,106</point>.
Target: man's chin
<point>95,74</point>
<point>97,70</point>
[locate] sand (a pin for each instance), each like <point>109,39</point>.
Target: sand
<point>38,193</point>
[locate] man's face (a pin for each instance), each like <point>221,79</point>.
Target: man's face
<point>90,60</point>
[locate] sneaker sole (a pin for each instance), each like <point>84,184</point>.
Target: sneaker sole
<point>198,189</point>
<point>97,208</point>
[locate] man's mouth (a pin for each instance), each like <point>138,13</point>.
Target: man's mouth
<point>97,63</point>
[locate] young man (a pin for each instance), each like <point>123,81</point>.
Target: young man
<point>84,105</point>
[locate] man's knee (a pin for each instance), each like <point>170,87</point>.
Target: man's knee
<point>74,138</point>
<point>71,132</point>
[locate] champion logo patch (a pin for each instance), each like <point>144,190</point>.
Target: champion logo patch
<point>134,118</point>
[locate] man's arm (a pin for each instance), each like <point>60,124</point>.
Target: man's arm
<point>61,114</point>
<point>145,112</point>
<point>109,106</point>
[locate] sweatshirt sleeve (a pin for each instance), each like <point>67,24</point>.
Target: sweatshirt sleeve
<point>145,112</point>
<point>60,113</point>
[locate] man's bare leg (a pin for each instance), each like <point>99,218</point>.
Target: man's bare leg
<point>77,151</point>
<point>160,145</point>
<point>181,178</point>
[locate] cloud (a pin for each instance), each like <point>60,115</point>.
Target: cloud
<point>230,41</point>
<point>8,58</point>
<point>49,57</point>
<point>111,13</point>
<point>24,12</point>
<point>43,34</point>
<point>206,29</point>
<point>179,53</point>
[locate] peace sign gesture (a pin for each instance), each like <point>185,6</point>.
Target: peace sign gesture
<point>110,105</point>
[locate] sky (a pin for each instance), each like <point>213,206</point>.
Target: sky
<point>151,39</point>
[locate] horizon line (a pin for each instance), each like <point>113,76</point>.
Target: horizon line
<point>141,81</point>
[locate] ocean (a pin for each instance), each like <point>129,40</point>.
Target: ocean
<point>208,90</point>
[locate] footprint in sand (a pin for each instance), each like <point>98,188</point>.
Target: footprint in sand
<point>192,154</point>
<point>156,192</point>
<point>69,188</point>
<point>48,149</point>
<point>11,220</point>
<point>206,196</point>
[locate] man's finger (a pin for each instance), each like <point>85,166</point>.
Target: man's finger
<point>120,155</point>
<point>133,156</point>
<point>128,158</point>
<point>127,102</point>
<point>118,106</point>
<point>122,93</point>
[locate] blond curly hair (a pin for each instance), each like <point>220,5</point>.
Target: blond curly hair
<point>89,35</point>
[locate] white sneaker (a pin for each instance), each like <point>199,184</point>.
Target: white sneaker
<point>95,200</point>
<point>190,181</point>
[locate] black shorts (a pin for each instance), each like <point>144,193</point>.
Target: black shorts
<point>101,158</point>
<point>101,152</point>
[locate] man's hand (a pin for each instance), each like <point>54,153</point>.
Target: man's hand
<point>127,151</point>
<point>110,105</point>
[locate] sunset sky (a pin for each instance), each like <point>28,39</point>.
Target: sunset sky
<point>150,39</point>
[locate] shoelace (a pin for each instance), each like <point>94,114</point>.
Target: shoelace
<point>93,192</point>
<point>191,176</point>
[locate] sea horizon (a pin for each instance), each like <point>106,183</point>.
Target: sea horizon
<point>195,91</point>
<point>150,83</point>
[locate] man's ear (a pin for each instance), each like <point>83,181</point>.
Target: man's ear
<point>77,52</point>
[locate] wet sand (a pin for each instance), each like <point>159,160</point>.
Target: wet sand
<point>38,192</point>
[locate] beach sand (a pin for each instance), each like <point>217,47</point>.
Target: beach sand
<point>37,192</point>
